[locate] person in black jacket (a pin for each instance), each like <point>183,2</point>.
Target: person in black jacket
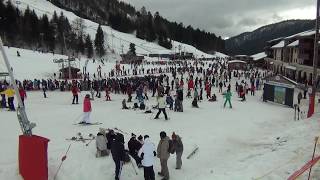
<point>134,146</point>
<point>118,154</point>
<point>110,137</point>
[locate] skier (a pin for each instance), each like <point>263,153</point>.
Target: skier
<point>147,153</point>
<point>101,144</point>
<point>86,110</point>
<point>227,95</point>
<point>23,94</point>
<point>220,87</point>
<point>134,146</point>
<point>75,90</point>
<point>9,92</point>
<point>178,149</point>
<point>3,97</point>
<point>108,94</point>
<point>118,154</point>
<point>299,97</point>
<point>170,101</point>
<point>161,107</point>
<point>124,104</point>
<point>213,98</point>
<point>179,100</point>
<point>163,154</point>
<point>195,103</point>
<point>44,87</point>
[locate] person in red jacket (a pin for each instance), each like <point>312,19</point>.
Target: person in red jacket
<point>190,84</point>
<point>86,110</point>
<point>75,90</point>
<point>23,94</point>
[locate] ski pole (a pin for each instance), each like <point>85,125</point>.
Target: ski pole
<point>62,159</point>
<point>90,141</point>
<point>314,151</point>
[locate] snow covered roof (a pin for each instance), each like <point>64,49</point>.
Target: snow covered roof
<point>279,45</point>
<point>302,34</point>
<point>294,44</point>
<point>259,56</point>
<point>277,39</point>
<point>237,61</point>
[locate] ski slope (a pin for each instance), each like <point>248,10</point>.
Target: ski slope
<point>116,41</point>
<point>254,140</point>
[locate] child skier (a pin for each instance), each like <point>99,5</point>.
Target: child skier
<point>227,95</point>
<point>108,94</point>
<point>86,110</point>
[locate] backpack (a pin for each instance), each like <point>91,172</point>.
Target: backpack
<point>171,147</point>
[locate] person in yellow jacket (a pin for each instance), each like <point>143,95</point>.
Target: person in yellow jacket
<point>10,94</point>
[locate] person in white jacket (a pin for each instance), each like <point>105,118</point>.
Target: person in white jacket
<point>101,145</point>
<point>148,153</point>
<point>162,107</point>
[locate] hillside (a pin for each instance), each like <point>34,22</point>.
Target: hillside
<point>253,42</point>
<point>116,42</point>
<point>145,25</point>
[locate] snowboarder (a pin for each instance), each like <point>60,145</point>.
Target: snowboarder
<point>227,95</point>
<point>163,154</point>
<point>178,149</point>
<point>86,110</point>
<point>147,153</point>
<point>134,146</point>
<point>161,107</point>
<point>118,154</point>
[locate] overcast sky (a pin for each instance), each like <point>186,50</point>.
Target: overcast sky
<point>228,18</point>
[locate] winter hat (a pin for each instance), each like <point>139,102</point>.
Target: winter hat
<point>133,135</point>
<point>87,95</point>
<point>174,136</point>
<point>140,138</point>
<point>146,136</point>
<point>163,134</point>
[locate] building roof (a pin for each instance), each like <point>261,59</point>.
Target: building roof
<point>259,56</point>
<point>293,44</point>
<point>237,61</point>
<point>279,45</point>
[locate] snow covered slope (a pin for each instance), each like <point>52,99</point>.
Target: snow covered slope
<point>254,140</point>
<point>114,39</point>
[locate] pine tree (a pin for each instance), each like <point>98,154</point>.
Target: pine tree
<point>89,47</point>
<point>80,45</point>
<point>99,42</point>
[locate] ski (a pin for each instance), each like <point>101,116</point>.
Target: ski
<point>89,124</point>
<point>193,152</point>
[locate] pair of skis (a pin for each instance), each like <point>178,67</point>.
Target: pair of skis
<point>80,137</point>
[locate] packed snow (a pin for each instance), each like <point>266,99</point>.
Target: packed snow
<point>254,140</point>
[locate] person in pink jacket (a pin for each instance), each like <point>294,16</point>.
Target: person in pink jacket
<point>86,110</point>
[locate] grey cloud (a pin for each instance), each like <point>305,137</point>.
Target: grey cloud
<point>223,17</point>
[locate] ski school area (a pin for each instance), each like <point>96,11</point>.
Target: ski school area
<point>220,123</point>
